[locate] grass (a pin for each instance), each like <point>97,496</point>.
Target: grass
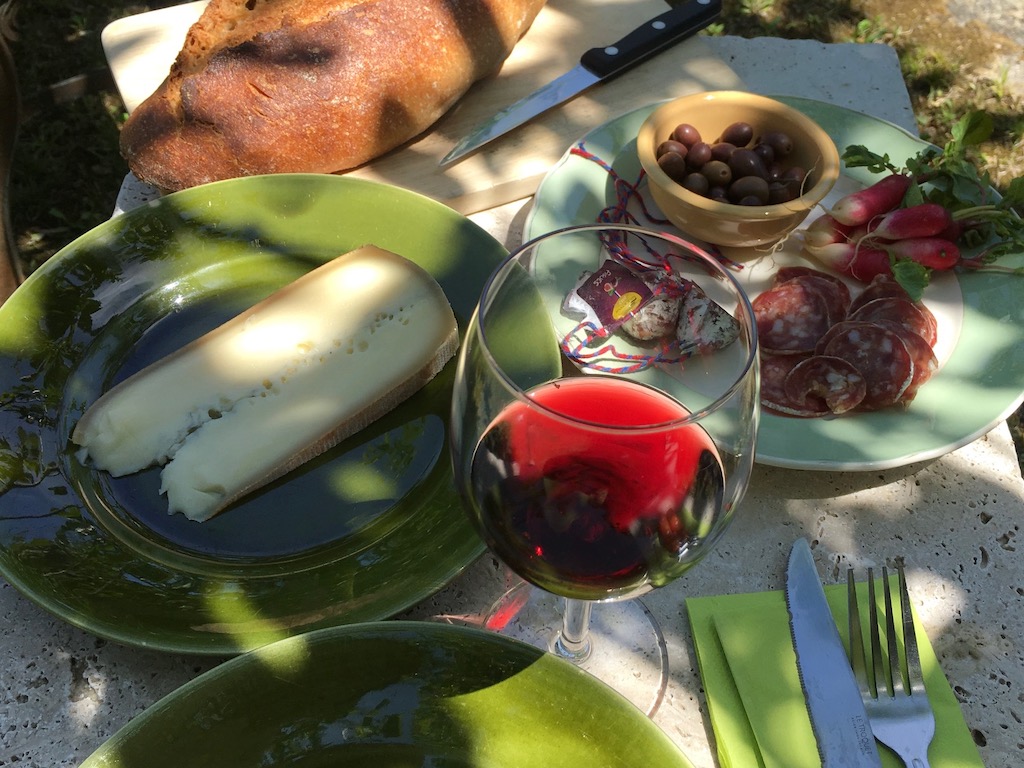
<point>67,170</point>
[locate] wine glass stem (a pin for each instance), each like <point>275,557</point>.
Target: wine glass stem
<point>573,642</point>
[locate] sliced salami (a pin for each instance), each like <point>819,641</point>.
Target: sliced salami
<point>921,352</point>
<point>880,287</point>
<point>880,356</point>
<point>836,330</point>
<point>900,311</point>
<point>791,318</point>
<point>775,369</point>
<point>836,292</point>
<point>833,380</point>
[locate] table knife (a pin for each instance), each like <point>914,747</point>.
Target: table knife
<point>837,714</point>
<point>596,66</point>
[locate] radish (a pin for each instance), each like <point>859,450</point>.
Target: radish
<point>855,260</point>
<point>825,230</point>
<point>923,220</point>
<point>934,252</point>
<point>878,199</point>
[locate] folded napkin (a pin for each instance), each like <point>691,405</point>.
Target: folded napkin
<point>746,659</point>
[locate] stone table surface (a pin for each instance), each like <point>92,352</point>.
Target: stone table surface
<point>956,521</point>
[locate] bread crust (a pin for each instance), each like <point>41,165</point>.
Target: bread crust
<point>313,85</point>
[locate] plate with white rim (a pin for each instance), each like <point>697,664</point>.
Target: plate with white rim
<point>980,380</point>
<point>359,533</point>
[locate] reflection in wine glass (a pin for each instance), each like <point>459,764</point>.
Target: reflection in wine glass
<point>604,419</point>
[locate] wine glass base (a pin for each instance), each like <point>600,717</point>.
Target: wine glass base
<point>628,649</point>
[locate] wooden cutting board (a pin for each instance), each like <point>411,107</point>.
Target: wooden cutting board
<point>140,50</point>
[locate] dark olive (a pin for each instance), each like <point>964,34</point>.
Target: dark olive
<point>718,194</point>
<point>748,186</point>
<point>738,134</point>
<point>794,173</point>
<point>699,154</point>
<point>745,162</point>
<point>779,192</point>
<point>722,151</point>
<point>671,146</point>
<point>674,165</point>
<point>750,200</point>
<point>686,134</point>
<point>717,173</point>
<point>696,182</point>
<point>780,143</point>
<point>766,153</point>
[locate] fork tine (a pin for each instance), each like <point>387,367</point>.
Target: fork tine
<point>895,678</point>
<point>857,659</point>
<point>914,677</point>
<point>878,674</point>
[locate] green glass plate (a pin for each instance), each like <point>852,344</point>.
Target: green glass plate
<point>358,534</point>
<point>392,695</point>
<point>981,317</point>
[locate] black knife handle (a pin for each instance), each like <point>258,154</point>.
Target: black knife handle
<point>645,41</point>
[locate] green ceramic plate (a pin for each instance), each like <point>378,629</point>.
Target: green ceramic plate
<point>358,534</point>
<point>981,316</point>
<point>392,695</point>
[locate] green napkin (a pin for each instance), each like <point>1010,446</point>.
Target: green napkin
<point>746,659</point>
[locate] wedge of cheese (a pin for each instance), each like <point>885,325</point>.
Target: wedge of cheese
<point>275,386</point>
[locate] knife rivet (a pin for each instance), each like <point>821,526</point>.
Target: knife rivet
<point>658,24</point>
<point>611,50</point>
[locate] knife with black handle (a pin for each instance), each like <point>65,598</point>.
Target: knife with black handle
<point>597,65</point>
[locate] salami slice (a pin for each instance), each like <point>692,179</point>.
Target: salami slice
<point>880,356</point>
<point>834,293</point>
<point>836,330</point>
<point>775,369</point>
<point>837,289</point>
<point>880,287</point>
<point>791,318</point>
<point>833,380</point>
<point>921,352</point>
<point>899,311</point>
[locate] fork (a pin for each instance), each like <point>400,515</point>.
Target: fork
<point>895,700</point>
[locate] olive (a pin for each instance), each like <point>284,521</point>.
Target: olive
<point>671,146</point>
<point>750,200</point>
<point>686,134</point>
<point>738,134</point>
<point>674,165</point>
<point>795,174</point>
<point>780,143</point>
<point>717,173</point>
<point>722,151</point>
<point>766,153</point>
<point>699,154</point>
<point>745,162</point>
<point>718,194</point>
<point>778,192</point>
<point>749,186</point>
<point>697,183</point>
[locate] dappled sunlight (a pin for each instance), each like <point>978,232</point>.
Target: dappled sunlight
<point>357,483</point>
<point>229,610</point>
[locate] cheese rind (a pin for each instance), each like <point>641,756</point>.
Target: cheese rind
<point>277,385</point>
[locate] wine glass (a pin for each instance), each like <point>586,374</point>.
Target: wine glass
<point>604,420</point>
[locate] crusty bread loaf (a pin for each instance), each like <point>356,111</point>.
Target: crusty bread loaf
<point>277,86</point>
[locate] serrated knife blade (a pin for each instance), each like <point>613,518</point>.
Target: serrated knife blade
<point>596,65</point>
<point>837,714</point>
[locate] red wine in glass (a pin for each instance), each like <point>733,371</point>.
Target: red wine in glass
<point>596,487</point>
